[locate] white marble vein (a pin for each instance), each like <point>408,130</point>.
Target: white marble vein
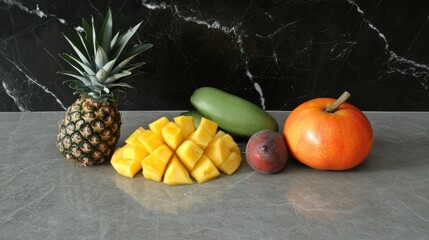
<point>33,81</point>
<point>415,69</point>
<point>37,11</point>
<point>12,94</point>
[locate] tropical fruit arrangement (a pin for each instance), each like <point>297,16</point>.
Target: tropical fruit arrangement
<point>197,146</point>
<point>176,152</point>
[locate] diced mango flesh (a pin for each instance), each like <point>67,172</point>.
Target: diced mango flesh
<point>189,153</point>
<point>172,152</point>
<point>209,126</point>
<point>150,140</point>
<point>201,137</point>
<point>186,123</point>
<point>124,166</point>
<point>153,168</point>
<point>158,125</point>
<point>134,152</point>
<point>231,163</point>
<point>204,170</point>
<point>217,151</point>
<point>163,153</point>
<point>172,135</point>
<point>132,139</point>
<point>176,173</point>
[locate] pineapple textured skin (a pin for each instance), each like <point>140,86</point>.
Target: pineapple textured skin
<point>89,131</point>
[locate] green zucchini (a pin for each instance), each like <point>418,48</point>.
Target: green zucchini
<point>232,113</point>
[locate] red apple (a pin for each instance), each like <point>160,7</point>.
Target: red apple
<point>328,134</point>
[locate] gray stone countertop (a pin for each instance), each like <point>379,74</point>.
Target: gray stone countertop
<point>44,196</point>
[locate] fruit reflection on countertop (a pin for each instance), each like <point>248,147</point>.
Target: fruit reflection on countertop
<point>176,152</point>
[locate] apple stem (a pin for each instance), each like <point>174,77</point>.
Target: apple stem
<point>342,99</point>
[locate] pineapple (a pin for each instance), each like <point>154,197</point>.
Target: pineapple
<point>90,129</point>
<point>176,152</point>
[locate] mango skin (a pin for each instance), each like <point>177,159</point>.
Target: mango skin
<point>233,114</point>
<point>266,152</point>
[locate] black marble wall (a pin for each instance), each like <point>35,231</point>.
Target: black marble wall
<point>276,53</point>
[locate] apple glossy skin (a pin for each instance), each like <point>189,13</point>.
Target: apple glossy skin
<point>266,152</point>
<point>328,141</point>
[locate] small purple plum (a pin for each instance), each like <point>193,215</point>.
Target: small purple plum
<point>266,152</point>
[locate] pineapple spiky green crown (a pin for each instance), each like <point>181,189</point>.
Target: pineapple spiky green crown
<point>102,61</point>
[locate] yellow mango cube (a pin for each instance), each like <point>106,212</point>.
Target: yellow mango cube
<point>227,139</point>
<point>125,167</point>
<point>158,125</point>
<point>150,140</point>
<point>220,134</point>
<point>201,137</point>
<point>154,164</point>
<point>189,153</point>
<point>118,153</point>
<point>209,126</point>
<point>217,151</point>
<point>132,139</point>
<point>134,152</point>
<point>232,145</point>
<point>176,173</point>
<point>172,135</point>
<point>204,170</point>
<point>186,123</point>
<point>163,153</point>
<point>153,168</point>
<point>231,163</point>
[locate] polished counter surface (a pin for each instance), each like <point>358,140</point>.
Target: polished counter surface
<point>44,196</point>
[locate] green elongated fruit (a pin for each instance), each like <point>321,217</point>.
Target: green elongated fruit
<point>232,113</point>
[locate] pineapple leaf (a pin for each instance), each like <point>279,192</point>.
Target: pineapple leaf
<point>76,64</point>
<point>121,85</point>
<point>139,49</point>
<point>123,40</point>
<point>133,53</point>
<point>116,76</point>
<point>115,38</point>
<point>81,37</point>
<point>108,66</point>
<point>78,51</point>
<point>95,83</point>
<point>75,84</point>
<point>102,61</point>
<point>72,62</point>
<point>105,71</point>
<point>134,66</point>
<point>100,58</point>
<point>85,81</point>
<point>94,36</point>
<point>88,37</point>
<point>106,32</point>
<point>101,75</point>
